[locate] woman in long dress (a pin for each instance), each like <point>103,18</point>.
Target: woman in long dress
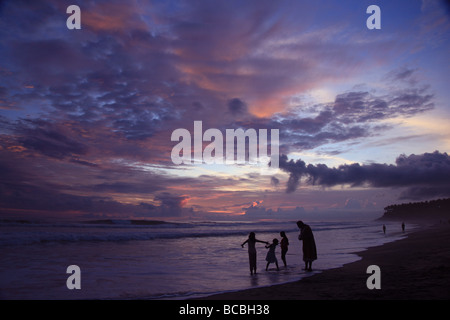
<point>309,244</point>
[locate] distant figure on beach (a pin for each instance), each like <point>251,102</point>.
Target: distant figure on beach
<point>252,250</point>
<point>384,229</point>
<point>309,245</point>
<point>271,258</point>
<point>403,226</point>
<point>284,246</point>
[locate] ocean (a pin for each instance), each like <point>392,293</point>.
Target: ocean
<point>136,259</point>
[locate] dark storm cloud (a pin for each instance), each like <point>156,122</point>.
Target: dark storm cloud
<point>47,139</point>
<point>274,181</point>
<point>126,187</point>
<point>170,204</point>
<point>420,193</point>
<point>33,198</point>
<point>237,107</point>
<point>423,175</point>
<point>25,187</point>
<point>446,5</point>
<point>21,188</point>
<point>39,198</point>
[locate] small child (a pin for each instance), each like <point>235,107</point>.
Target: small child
<point>270,258</point>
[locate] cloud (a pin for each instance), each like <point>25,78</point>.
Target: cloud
<point>134,187</point>
<point>274,181</point>
<point>351,116</point>
<point>260,212</point>
<point>22,194</point>
<point>19,192</point>
<point>427,174</point>
<point>59,183</point>
<point>171,205</point>
<point>139,71</point>
<point>420,193</point>
<point>402,74</point>
<point>237,107</point>
<point>363,107</point>
<point>112,16</point>
<point>90,113</point>
<point>48,139</point>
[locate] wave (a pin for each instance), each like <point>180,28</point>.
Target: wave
<point>102,223</point>
<point>110,230</point>
<point>58,234</point>
<point>16,222</point>
<point>129,222</point>
<point>133,223</point>
<point>66,237</point>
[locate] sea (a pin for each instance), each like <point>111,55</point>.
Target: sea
<point>142,259</point>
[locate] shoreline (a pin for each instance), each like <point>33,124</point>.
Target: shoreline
<point>416,267</point>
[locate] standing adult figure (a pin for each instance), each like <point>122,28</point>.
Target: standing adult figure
<point>252,251</point>
<point>309,244</point>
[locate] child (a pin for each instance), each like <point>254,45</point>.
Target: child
<point>271,254</point>
<point>284,246</point>
<point>252,251</point>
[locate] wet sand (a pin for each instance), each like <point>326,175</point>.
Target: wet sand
<point>416,267</point>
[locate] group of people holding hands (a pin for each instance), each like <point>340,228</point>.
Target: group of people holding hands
<point>309,248</point>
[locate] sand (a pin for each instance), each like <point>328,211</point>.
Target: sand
<point>413,268</point>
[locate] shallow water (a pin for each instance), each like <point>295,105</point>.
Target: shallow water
<point>125,260</point>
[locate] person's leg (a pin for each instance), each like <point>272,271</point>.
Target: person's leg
<point>252,258</point>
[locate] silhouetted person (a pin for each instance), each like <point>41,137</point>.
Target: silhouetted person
<point>252,250</point>
<point>270,257</point>
<point>309,245</point>
<point>284,246</point>
<point>403,226</point>
<point>384,229</point>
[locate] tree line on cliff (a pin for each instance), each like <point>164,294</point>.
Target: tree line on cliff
<point>434,209</point>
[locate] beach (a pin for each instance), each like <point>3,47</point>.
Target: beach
<point>128,259</point>
<point>413,268</point>
<point>177,261</point>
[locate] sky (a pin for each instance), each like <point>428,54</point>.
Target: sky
<point>86,115</point>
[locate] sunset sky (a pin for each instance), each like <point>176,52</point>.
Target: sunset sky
<point>86,116</point>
